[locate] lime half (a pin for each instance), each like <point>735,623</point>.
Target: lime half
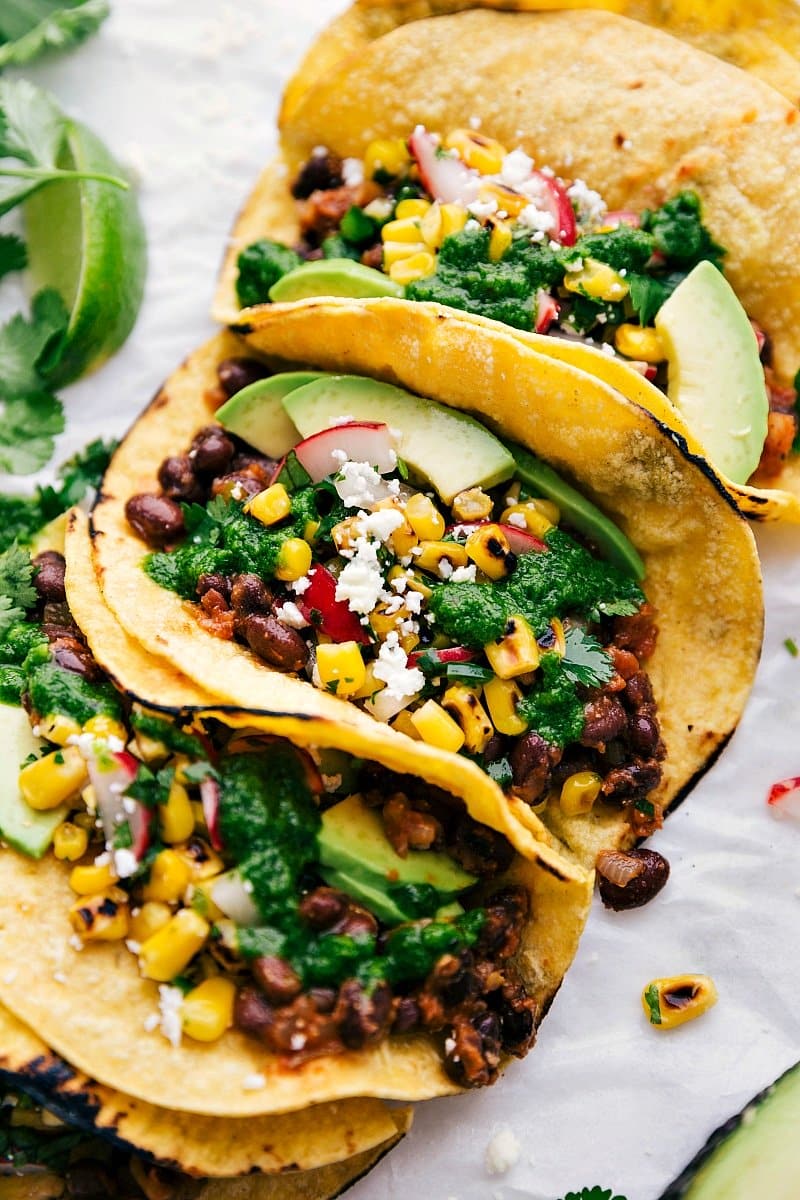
<point>86,239</point>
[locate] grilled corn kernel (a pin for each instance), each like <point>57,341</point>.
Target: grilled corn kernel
<point>579,792</point>
<point>270,506</point>
<point>57,728</point>
<point>464,704</point>
<point>208,1009</point>
<point>89,879</point>
<point>294,560</point>
<point>176,816</point>
<point>418,266</point>
<point>499,240</point>
<point>70,842</point>
<point>598,280</point>
<point>341,668</point>
<point>432,227</point>
<point>344,534</point>
<point>424,517</point>
<point>102,917</point>
<point>404,230</point>
<point>403,539</point>
<point>482,153</point>
<point>454,218</point>
<point>172,948</point>
<point>403,724</point>
<point>433,554</point>
<point>437,727</point>
<point>502,697</point>
<point>148,919</point>
<point>489,549</point>
<point>678,999</point>
<point>472,505</point>
<point>200,860</point>
<point>641,343</point>
<point>387,156</point>
<point>103,726</point>
<point>147,749</point>
<point>535,520</point>
<point>412,208</point>
<point>508,201</point>
<point>54,779</point>
<point>169,877</point>
<point>397,252</point>
<point>516,652</point>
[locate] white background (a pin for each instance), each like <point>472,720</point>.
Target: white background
<point>186,91</point>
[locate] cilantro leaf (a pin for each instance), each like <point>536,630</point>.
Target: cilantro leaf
<point>197,772</point>
<point>615,608</point>
<point>652,1001</point>
<point>647,294</point>
<point>594,1193</point>
<point>151,788</point>
<point>80,474</point>
<point>585,661</point>
<point>23,452</point>
<point>30,27</point>
<point>31,415</point>
<point>13,254</point>
<point>17,593</point>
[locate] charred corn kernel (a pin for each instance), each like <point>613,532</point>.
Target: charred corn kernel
<point>424,517</point>
<point>344,534</point>
<point>516,652</point>
<point>294,560</point>
<point>579,792</point>
<point>397,252</point>
<point>678,999</point>
<point>559,645</point>
<point>598,280</point>
<point>418,266</point>
<point>202,900</point>
<point>70,842</point>
<point>103,726</point>
<point>199,859</point>
<point>57,728</point>
<point>207,1010</point>
<point>482,153</point>
<point>437,727</point>
<point>403,540</point>
<point>54,779</point>
<point>433,554</point>
<point>103,917</point>
<point>310,530</point>
<point>146,748</point>
<point>85,820</point>
<point>387,156</point>
<point>464,704</point>
<point>403,724</point>
<point>546,507</point>
<point>489,549</point>
<point>341,668</point>
<point>502,697</point>
<point>169,877</point>
<point>509,202</point>
<point>535,521</point>
<point>454,218</point>
<point>383,623</point>
<point>405,230</point>
<point>176,817</point>
<point>270,506</point>
<point>472,505</point>
<point>412,208</point>
<point>172,948</point>
<point>644,344</point>
<point>148,919</point>
<point>499,240</point>
<point>431,227</point>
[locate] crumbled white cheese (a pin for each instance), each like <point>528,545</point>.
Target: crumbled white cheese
<point>413,600</point>
<point>129,805</point>
<point>517,167</point>
<point>537,218</point>
<point>462,575</point>
<point>400,584</point>
<point>358,485</point>
<point>472,225</point>
<point>589,205</point>
<point>347,419</point>
<point>254,1083</point>
<point>517,519</point>
<point>300,586</point>
<point>102,860</point>
<point>482,208</point>
<point>297,1041</point>
<point>152,1022</point>
<point>125,863</point>
<point>502,1153</point>
<point>133,946</point>
<point>361,581</point>
<point>391,666</point>
<point>380,524</point>
<point>352,172</point>
<point>289,614</point>
<point>445,568</point>
<point>170,1005</point>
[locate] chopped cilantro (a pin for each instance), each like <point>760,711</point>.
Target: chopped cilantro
<point>27,405</point>
<point>651,1000</point>
<point>151,788</point>
<point>17,593</point>
<point>791,646</point>
<point>13,254</point>
<point>679,233</point>
<point>29,28</point>
<point>123,837</point>
<point>261,265</point>
<point>593,1193</point>
<point>197,772</point>
<point>585,661</point>
<point>553,708</point>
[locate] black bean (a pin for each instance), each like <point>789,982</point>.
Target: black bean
<point>532,761</point>
<point>643,733</point>
<point>156,519</point>
<point>214,583</point>
<point>406,1016</point>
<point>322,172</point>
<point>364,1017</point>
<point>237,373</point>
<point>72,655</point>
<point>211,451</point>
<point>278,645</point>
<point>641,888</point>
<point>178,480</point>
<point>49,577</point>
<point>277,979</point>
<point>252,1012</point>
<point>323,907</point>
<point>249,594</point>
<point>604,720</point>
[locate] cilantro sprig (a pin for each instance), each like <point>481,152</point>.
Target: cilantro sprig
<point>17,593</point>
<point>585,661</point>
<point>593,1193</point>
<point>29,28</point>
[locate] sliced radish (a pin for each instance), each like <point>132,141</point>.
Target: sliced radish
<point>111,772</point>
<point>450,654</point>
<point>784,798</point>
<point>360,441</point>
<point>230,893</point>
<point>622,216</point>
<point>520,541</point>
<point>446,178</point>
<point>333,617</point>
<point>209,798</point>
<point>547,310</point>
<point>761,337</point>
<point>649,370</point>
<point>556,201</point>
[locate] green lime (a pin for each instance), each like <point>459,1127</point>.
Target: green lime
<point>86,239</point>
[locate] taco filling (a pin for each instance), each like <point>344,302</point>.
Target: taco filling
<point>460,221</point>
<point>420,568</point>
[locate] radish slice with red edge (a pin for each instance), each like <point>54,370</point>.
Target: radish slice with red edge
<point>556,201</point>
<point>547,310</point>
<point>330,616</point>
<point>360,441</point>
<point>444,176</point>
<point>784,799</point>
<point>111,772</point>
<point>209,798</point>
<point>449,654</point>
<point>520,541</point>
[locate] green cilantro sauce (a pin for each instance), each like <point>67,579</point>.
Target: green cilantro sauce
<point>269,823</point>
<point>554,708</point>
<point>53,690</point>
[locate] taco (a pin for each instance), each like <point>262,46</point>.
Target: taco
<point>504,651</point>
<point>247,919</point>
<point>615,241</point>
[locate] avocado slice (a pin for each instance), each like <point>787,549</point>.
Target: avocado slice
<point>447,448</point>
<point>580,512</point>
<point>716,380</point>
<point>356,855</point>
<point>256,413</point>
<point>24,828</point>
<point>755,1154</point>
<point>334,277</point>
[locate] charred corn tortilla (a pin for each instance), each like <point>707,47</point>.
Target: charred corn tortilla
<point>671,118</point>
<point>702,568</point>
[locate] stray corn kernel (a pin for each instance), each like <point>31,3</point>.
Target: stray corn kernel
<point>433,554</point>
<point>677,999</point>
<point>406,230</point>
<point>54,779</point>
<point>488,548</point>
<point>502,697</point>
<point>388,156</point>
<point>437,727</point>
<point>169,877</point>
<point>200,860</point>
<point>344,533</point>
<point>341,668</point>
<point>559,645</point>
<point>58,729</point>
<point>148,919</point>
<point>102,917</point>
<point>579,792</point>
<point>598,280</point>
<point>472,504</point>
<point>481,153</point>
<point>176,817</point>
<point>103,726</point>
<point>424,517</point>
<point>270,506</point>
<point>499,240</point>
<point>516,652</point>
<point>172,948</point>
<point>635,341</point>
<point>207,1010</point>
<point>535,520</point>
<point>403,724</point>
<point>508,201</point>
<point>454,218</point>
<point>412,208</point>
<point>418,266</point>
<point>397,252</point>
<point>70,842</point>
<point>294,560</point>
<point>463,702</point>
<point>89,879</point>
<point>432,227</point>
